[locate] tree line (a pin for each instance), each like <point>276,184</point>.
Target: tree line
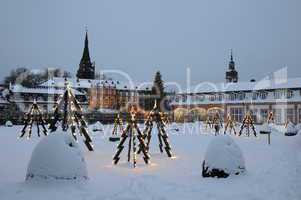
<point>31,78</point>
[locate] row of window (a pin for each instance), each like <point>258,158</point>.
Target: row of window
<point>262,95</point>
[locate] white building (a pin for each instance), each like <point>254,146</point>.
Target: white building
<point>281,96</point>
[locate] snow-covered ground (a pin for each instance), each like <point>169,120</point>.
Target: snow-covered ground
<point>273,172</point>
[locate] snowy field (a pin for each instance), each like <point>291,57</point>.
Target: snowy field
<point>273,172</point>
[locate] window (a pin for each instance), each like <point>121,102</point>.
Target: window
<point>264,113</point>
<point>289,94</point>
<point>199,98</point>
<point>279,94</point>
<point>220,97</point>
<point>254,95</point>
<point>232,97</point>
<point>263,95</point>
<point>237,114</point>
<point>212,97</point>
<point>202,97</point>
<point>290,116</point>
<point>241,96</point>
<point>278,116</point>
<point>299,111</point>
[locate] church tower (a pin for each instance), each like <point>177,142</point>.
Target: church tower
<point>86,68</point>
<point>231,74</point>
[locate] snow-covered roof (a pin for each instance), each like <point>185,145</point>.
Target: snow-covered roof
<point>266,84</point>
<point>89,83</point>
<point>41,90</point>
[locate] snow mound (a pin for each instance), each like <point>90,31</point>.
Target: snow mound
<point>223,158</point>
<point>173,127</point>
<point>8,124</point>
<point>57,156</point>
<point>265,128</point>
<point>298,126</point>
<point>290,130</point>
<point>98,126</point>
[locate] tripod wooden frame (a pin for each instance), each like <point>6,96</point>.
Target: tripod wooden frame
<point>34,116</point>
<point>230,124</point>
<point>247,124</point>
<point>132,133</point>
<point>68,110</point>
<point>155,116</point>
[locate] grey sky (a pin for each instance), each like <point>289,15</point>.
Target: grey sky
<point>141,37</point>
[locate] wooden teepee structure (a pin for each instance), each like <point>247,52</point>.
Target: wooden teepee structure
<point>68,111</point>
<point>34,116</point>
<point>132,133</point>
<point>155,116</point>
<point>230,124</point>
<point>208,123</point>
<point>271,118</point>
<point>217,123</point>
<point>118,127</point>
<point>248,125</point>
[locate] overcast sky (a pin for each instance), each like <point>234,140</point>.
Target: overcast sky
<point>141,37</point>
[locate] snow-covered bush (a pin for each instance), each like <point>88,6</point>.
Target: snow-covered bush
<point>57,156</point>
<point>8,124</point>
<point>223,158</point>
<point>265,128</point>
<point>98,126</point>
<point>290,130</point>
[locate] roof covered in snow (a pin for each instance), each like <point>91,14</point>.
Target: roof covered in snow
<point>89,83</point>
<point>265,84</point>
<point>41,90</point>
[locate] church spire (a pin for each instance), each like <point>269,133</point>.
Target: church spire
<point>231,74</point>
<point>86,67</point>
<point>231,63</point>
<point>86,54</point>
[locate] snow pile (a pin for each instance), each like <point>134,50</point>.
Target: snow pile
<point>106,110</point>
<point>8,124</point>
<point>265,128</point>
<point>223,158</point>
<point>173,127</point>
<point>98,126</point>
<point>298,126</point>
<point>290,129</point>
<point>57,156</point>
<point>5,93</point>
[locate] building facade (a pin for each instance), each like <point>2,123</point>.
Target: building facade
<point>282,97</point>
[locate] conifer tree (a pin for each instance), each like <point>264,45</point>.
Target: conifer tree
<point>158,89</point>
